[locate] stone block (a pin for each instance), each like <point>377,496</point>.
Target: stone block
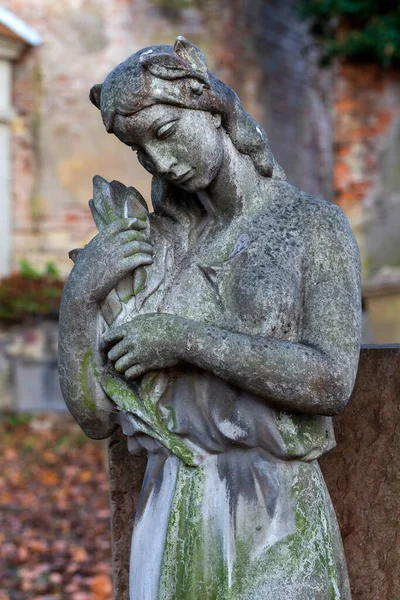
<point>363,476</point>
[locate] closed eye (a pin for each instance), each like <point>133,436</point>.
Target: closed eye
<point>167,129</point>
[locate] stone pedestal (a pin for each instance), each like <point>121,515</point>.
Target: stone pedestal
<point>362,475</point>
<point>126,476</point>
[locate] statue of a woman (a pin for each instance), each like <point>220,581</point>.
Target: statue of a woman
<point>233,347</point>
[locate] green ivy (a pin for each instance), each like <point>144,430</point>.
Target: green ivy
<point>367,30</point>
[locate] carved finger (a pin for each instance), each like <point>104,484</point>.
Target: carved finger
<point>135,247</point>
<point>125,362</point>
<point>131,236</point>
<point>125,224</point>
<point>118,351</point>
<point>133,262</point>
<point>137,371</point>
<point>111,337</point>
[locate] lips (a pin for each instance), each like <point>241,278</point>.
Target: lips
<point>184,177</point>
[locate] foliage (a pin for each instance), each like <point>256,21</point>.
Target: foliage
<point>356,29</point>
<point>18,419</point>
<point>30,293</point>
<point>28,270</point>
<point>173,5</point>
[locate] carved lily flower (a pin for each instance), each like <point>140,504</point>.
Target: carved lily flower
<point>111,201</point>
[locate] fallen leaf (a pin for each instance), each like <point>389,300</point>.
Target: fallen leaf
<point>101,587</point>
<point>48,477</point>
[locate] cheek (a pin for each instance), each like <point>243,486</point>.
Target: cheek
<point>214,155</point>
<point>208,150</point>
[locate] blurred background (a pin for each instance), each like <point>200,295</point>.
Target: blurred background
<point>321,76</point>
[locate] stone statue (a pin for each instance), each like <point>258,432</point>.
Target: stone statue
<point>222,333</point>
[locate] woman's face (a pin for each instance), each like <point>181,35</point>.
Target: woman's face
<point>181,145</point>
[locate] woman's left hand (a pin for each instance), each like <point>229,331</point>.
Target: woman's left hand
<point>147,343</point>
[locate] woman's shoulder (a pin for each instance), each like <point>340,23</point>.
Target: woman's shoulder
<point>329,241</point>
<point>327,227</point>
<point>315,217</point>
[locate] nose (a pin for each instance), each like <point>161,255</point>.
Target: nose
<point>161,158</point>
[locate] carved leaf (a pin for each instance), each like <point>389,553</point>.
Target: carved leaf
<point>125,288</point>
<point>167,66</point>
<point>102,201</point>
<point>114,200</point>
<point>139,280</point>
<point>190,54</point>
<point>100,223</point>
<point>111,307</point>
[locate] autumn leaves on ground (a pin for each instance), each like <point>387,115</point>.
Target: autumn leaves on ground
<point>54,513</point>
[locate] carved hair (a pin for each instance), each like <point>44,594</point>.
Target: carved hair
<point>179,76</point>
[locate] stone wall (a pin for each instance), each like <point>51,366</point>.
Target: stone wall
<point>362,476</point>
<point>28,368</point>
<point>59,142</point>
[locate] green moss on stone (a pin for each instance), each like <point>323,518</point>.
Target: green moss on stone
<point>194,565</point>
<point>143,404</point>
<point>301,433</point>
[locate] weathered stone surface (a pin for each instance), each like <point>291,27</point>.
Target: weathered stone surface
<point>363,476</point>
<point>222,332</point>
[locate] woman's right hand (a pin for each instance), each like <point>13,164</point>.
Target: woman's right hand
<point>117,250</point>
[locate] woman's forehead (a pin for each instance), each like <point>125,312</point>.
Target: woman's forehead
<point>151,114</point>
<point>146,119</point>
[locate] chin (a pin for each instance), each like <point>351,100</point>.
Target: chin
<point>194,186</point>
<point>198,184</point>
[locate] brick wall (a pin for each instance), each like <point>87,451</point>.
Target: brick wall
<point>367,160</point>
<point>59,142</point>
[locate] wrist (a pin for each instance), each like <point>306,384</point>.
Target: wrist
<point>176,332</point>
<point>189,339</point>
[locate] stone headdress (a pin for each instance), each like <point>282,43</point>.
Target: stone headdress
<point>178,75</point>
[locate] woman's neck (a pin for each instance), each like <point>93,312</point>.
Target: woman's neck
<point>232,190</point>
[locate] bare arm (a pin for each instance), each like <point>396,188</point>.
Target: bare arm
<point>113,253</point>
<point>315,375</point>
<point>79,361</point>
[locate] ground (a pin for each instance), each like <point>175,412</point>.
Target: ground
<point>54,512</point>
